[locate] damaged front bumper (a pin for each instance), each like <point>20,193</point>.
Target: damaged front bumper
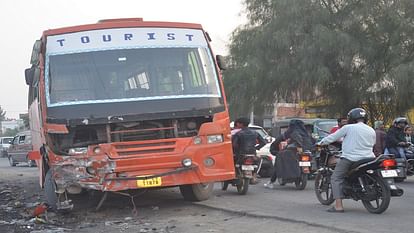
<point>106,172</point>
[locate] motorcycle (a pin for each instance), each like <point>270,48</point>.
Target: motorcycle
<point>405,167</point>
<point>409,154</point>
<point>369,180</point>
<point>304,162</point>
<point>244,167</point>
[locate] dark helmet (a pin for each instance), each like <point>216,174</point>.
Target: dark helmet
<point>356,114</point>
<point>242,120</point>
<point>400,120</point>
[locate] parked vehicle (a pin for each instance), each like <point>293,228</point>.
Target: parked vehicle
<point>304,164</point>
<point>19,149</point>
<point>4,145</point>
<point>369,180</point>
<point>267,160</point>
<point>244,166</point>
<point>317,127</point>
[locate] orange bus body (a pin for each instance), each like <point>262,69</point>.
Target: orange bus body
<point>127,149</point>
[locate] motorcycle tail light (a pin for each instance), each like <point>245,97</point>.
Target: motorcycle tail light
<point>389,163</point>
<point>248,161</point>
<point>305,158</point>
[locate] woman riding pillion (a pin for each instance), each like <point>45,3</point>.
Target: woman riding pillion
<point>358,143</point>
<point>286,164</point>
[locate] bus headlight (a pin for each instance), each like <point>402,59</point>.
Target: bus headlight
<point>197,140</point>
<point>97,150</point>
<point>78,151</point>
<point>187,162</point>
<point>215,138</point>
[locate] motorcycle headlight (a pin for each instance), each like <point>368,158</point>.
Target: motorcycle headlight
<point>215,138</point>
<point>78,150</point>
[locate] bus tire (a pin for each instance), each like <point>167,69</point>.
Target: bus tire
<point>196,192</point>
<point>50,190</point>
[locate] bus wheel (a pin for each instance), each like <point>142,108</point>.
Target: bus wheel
<point>196,192</point>
<point>50,190</point>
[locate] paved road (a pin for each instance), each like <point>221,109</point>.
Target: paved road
<point>286,203</point>
<point>281,210</point>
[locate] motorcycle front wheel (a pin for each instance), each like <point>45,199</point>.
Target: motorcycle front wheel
<point>243,186</point>
<point>323,187</point>
<point>378,195</point>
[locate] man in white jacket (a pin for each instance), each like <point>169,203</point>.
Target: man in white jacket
<point>358,143</point>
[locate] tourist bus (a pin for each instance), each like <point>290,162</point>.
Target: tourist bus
<point>128,104</point>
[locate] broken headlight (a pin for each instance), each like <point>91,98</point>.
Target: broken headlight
<point>78,151</point>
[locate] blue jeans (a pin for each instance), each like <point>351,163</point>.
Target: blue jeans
<point>399,152</point>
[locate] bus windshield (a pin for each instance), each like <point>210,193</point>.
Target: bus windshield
<point>136,74</point>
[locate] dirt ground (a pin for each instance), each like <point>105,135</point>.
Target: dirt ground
<point>156,211</point>
<point>161,210</point>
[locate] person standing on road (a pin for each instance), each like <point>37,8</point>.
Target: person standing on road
<point>246,141</point>
<point>379,146</point>
<point>358,143</point>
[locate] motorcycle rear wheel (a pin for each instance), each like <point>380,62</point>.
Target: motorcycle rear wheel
<point>323,188</point>
<point>383,194</point>
<point>243,186</point>
<point>301,182</point>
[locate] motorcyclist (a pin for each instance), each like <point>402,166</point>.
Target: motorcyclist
<point>246,141</point>
<point>408,133</point>
<point>341,122</point>
<point>395,138</point>
<point>409,150</point>
<point>358,143</point>
<point>297,139</point>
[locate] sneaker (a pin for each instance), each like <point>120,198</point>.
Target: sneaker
<point>269,185</point>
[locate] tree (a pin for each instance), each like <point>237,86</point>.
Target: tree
<point>11,132</point>
<point>2,114</point>
<point>25,118</point>
<point>349,53</point>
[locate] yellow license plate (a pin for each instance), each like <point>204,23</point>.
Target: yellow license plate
<point>153,182</point>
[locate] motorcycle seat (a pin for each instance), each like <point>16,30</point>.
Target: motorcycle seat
<point>365,162</point>
<point>360,162</point>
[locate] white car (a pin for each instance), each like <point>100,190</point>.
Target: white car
<point>4,145</point>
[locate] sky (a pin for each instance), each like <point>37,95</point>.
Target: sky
<point>23,21</point>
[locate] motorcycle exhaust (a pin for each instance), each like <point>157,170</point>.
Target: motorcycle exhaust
<point>397,192</point>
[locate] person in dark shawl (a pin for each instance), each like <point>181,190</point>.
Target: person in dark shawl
<point>286,164</point>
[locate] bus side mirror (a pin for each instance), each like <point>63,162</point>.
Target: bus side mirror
<point>221,62</point>
<point>29,75</point>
